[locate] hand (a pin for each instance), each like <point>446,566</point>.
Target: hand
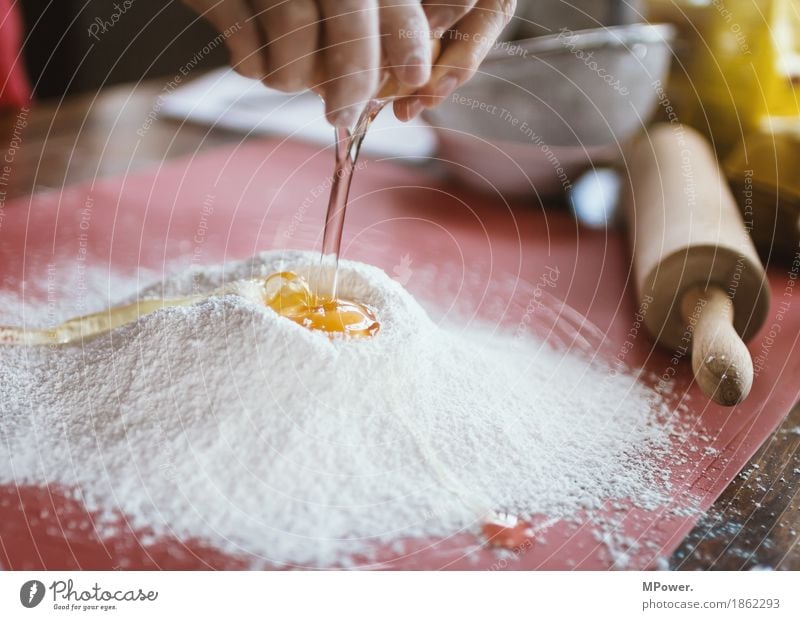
<point>334,46</point>
<point>468,30</point>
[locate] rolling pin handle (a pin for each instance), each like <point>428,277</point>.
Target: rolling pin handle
<point>721,362</point>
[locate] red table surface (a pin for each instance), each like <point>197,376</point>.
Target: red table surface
<point>268,194</point>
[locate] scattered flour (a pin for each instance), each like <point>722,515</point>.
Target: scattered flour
<point>227,423</point>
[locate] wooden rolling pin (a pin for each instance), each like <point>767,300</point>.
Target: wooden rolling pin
<point>698,277</point>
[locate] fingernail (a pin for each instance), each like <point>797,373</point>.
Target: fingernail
<point>413,108</point>
<point>445,86</point>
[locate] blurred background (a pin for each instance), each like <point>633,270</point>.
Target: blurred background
<point>151,39</point>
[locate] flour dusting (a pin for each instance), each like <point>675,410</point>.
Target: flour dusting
<point>227,423</point>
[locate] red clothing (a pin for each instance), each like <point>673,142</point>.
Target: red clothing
<point>15,91</point>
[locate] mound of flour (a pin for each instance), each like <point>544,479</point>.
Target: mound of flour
<point>227,423</point>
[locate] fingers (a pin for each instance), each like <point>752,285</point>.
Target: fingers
<point>444,14</point>
<point>232,17</point>
<point>461,55</point>
<point>351,49</point>
<point>404,30</point>
<point>290,33</point>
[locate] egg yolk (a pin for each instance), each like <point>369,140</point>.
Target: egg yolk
<point>289,295</point>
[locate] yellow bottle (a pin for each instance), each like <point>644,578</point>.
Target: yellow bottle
<point>737,63</point>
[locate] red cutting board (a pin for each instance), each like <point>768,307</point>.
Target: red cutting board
<point>231,203</point>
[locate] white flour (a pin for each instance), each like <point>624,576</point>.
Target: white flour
<point>227,423</point>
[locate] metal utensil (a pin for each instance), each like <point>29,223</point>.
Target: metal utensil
<point>541,110</point>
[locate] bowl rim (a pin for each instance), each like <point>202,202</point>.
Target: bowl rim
<point>588,39</point>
